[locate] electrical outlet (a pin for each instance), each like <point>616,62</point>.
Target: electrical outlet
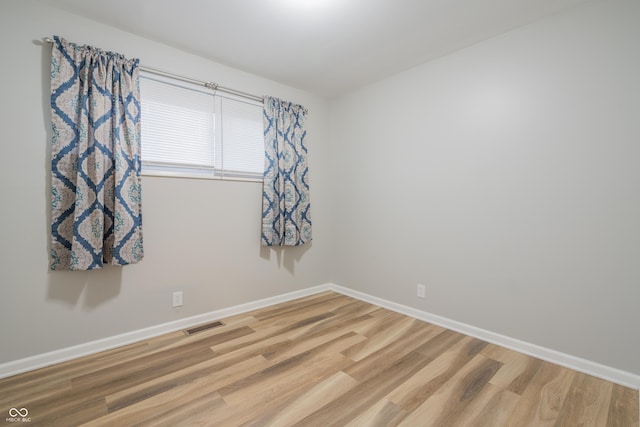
<point>177,299</point>
<point>421,291</point>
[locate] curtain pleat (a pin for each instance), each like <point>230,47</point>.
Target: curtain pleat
<point>95,166</point>
<point>286,213</point>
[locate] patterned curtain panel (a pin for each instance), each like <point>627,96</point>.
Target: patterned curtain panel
<point>95,166</point>
<point>286,214</point>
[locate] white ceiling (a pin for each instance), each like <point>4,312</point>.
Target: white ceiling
<point>327,47</point>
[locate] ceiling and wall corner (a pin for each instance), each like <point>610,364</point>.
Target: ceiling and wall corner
<point>327,47</point>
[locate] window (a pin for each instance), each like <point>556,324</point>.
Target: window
<point>190,131</point>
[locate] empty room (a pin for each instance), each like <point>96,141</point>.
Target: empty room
<point>320,213</point>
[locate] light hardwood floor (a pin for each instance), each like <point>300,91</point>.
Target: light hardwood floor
<point>323,360</point>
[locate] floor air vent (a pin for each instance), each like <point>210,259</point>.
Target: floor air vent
<point>204,327</point>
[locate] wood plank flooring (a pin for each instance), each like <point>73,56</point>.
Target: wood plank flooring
<point>323,360</point>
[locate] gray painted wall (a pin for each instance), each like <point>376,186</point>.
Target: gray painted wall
<point>506,178</point>
<point>201,236</point>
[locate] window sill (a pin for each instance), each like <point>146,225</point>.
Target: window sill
<point>183,175</point>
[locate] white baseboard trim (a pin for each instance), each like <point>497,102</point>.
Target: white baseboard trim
<point>598,370</point>
<point>57,356</point>
<point>608,373</point>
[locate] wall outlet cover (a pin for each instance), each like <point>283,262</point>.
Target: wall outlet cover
<point>177,299</point>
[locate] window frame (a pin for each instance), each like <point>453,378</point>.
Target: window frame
<point>190,173</point>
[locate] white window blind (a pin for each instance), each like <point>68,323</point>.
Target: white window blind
<point>242,134</point>
<point>188,130</point>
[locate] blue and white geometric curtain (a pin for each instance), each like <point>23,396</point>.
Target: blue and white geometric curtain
<point>286,214</point>
<point>95,166</point>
